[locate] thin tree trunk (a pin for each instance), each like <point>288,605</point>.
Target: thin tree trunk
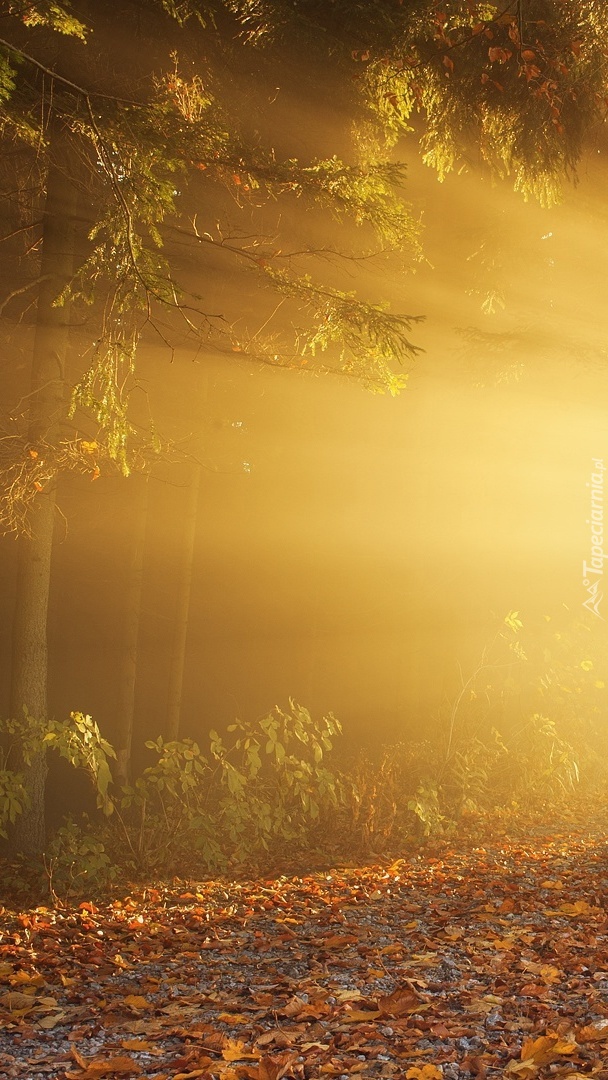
<point>126,703</point>
<point>46,402</point>
<point>182,613</point>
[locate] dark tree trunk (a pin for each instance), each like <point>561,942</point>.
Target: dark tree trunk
<point>182,612</point>
<point>126,703</point>
<point>46,407</point>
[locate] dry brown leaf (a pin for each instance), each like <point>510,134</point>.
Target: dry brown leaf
<point>137,1001</point>
<point>424,1072</point>
<point>17,1001</point>
<point>50,1020</point>
<point>353,1016</point>
<point>293,1006</point>
<point>96,1068</point>
<point>593,1032</point>
<point>400,1003</point>
<point>235,1050</point>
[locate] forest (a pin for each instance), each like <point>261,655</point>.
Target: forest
<point>303,656</point>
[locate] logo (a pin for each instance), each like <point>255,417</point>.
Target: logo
<point>593,570</point>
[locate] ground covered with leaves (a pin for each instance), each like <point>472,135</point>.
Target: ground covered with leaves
<point>475,959</point>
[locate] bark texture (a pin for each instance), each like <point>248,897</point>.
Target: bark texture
<point>46,408</point>
<point>182,610</point>
<point>128,675</point>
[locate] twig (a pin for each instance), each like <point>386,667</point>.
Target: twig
<point>68,82</point>
<point>23,289</point>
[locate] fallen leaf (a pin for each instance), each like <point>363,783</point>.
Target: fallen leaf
<point>237,1051</point>
<point>400,1003</point>
<point>136,1001</point>
<point>17,1001</point>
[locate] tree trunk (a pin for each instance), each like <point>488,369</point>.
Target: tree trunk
<point>46,407</point>
<point>182,613</point>
<point>126,703</point>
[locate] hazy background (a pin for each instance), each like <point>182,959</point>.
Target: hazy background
<point>353,550</point>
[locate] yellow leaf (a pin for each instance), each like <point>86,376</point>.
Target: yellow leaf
<point>121,962</point>
<point>565,1047</point>
<point>524,1070</point>
<point>25,978</point>
<point>236,1051</point>
<point>550,974</point>
<point>541,1050</point>
<point>136,1001</point>
<point>581,907</point>
<point>586,665</point>
<point>50,1020</point>
<point>355,1016</point>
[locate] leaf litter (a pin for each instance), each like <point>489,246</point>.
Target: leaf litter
<point>478,962</point>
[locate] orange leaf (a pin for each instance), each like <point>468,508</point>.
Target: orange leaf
<point>236,1051</point>
<point>591,1032</point>
<point>541,1050</point>
<point>98,1067</point>
<point>400,1003</point>
<point>355,1016</point>
<point>136,1001</point>
<point>424,1072</point>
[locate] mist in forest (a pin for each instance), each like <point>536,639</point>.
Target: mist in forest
<point>352,551</point>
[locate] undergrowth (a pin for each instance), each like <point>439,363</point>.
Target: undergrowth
<point>278,791</point>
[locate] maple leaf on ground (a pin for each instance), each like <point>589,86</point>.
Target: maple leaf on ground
<point>136,1002</point>
<point>17,1001</point>
<point>401,1002</point>
<point>424,1072</point>
<point>272,1068</point>
<point>96,1068</point>
<point>235,1050</point>
<point>538,1052</point>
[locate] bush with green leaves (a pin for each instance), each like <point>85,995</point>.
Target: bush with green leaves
<point>165,815</point>
<point>273,787</point>
<point>265,789</point>
<point>77,861</point>
<point>379,788</point>
<point>426,809</point>
<point>77,739</point>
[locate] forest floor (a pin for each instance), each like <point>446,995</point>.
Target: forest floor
<point>473,960</point>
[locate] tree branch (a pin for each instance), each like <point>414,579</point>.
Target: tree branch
<point>23,289</point>
<point>67,82</point>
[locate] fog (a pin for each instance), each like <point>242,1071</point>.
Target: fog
<point>354,551</point>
